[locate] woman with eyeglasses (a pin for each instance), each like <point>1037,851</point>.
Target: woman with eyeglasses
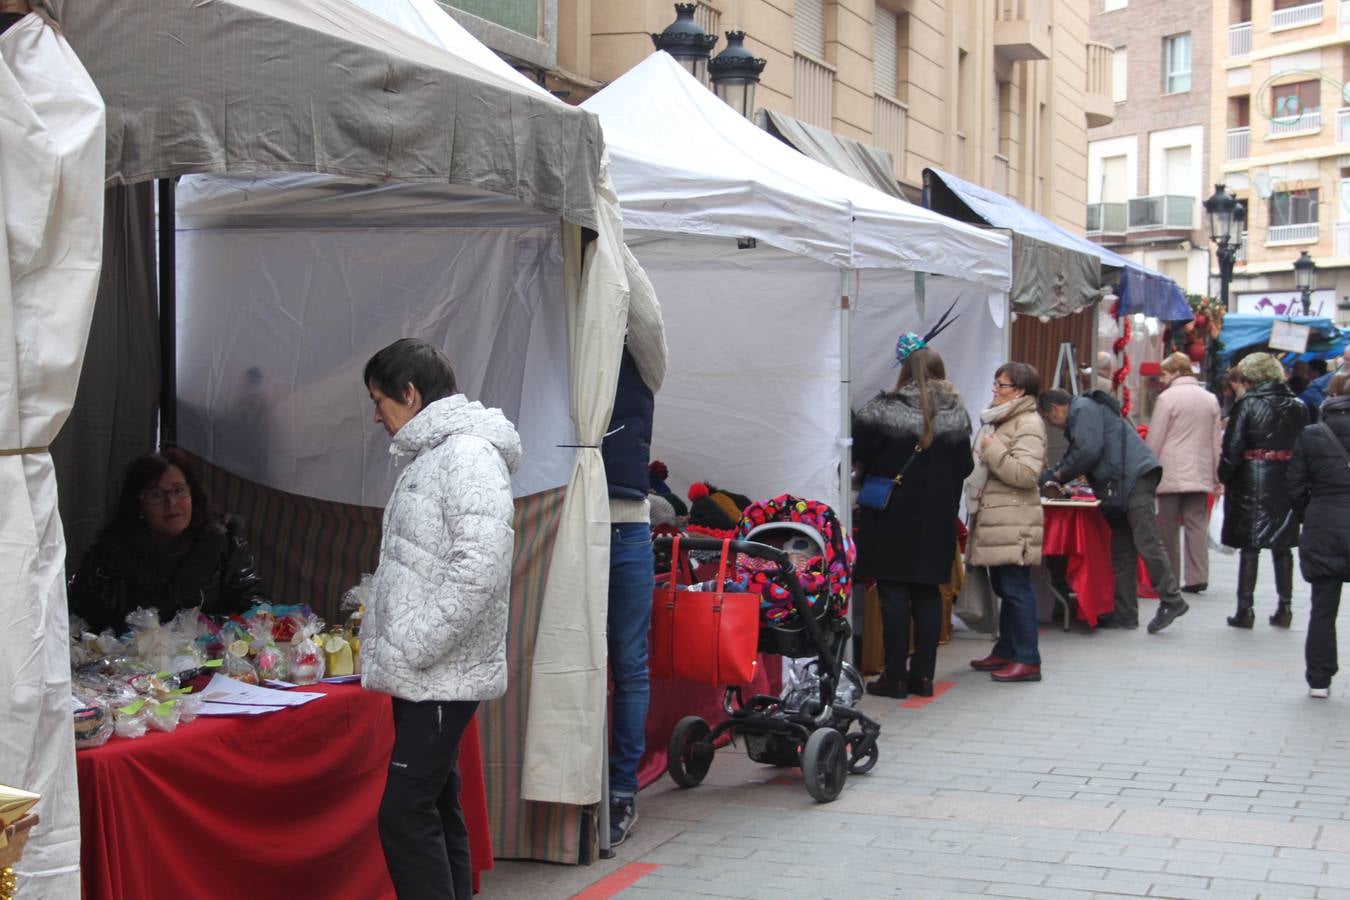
<point>164,548</point>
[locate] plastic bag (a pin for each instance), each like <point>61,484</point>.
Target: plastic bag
<point>272,665</point>
<point>93,720</point>
<point>305,660</point>
<point>355,596</point>
<point>1215,540</point>
<point>133,719</point>
<point>163,715</point>
<point>239,668</point>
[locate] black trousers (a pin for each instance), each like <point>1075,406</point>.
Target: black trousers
<point>1319,651</point>
<point>426,844</point>
<point>1134,536</point>
<point>901,602</point>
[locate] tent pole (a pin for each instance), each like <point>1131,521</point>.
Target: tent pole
<point>844,509</point>
<point>168,316</point>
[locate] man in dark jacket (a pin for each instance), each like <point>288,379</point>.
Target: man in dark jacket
<point>1124,474</point>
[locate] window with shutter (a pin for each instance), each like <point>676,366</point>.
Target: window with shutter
<point>884,44</point>
<point>808,28</point>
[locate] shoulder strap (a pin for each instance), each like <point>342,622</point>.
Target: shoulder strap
<point>900,476</point>
<point>1336,442</point>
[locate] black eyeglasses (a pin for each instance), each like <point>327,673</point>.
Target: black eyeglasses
<point>1003,385</point>
<point>159,495</point>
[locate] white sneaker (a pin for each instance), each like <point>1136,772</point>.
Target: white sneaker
<point>1319,693</point>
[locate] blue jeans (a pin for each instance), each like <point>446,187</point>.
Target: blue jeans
<point>631,582</point>
<point>1018,630</point>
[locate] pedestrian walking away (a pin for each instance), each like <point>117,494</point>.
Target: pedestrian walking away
<point>1258,443</point>
<point>1319,489</point>
<point>1006,527</point>
<point>1185,434</point>
<point>1124,475</point>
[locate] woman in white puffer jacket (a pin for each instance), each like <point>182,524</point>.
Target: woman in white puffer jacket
<point>434,632</point>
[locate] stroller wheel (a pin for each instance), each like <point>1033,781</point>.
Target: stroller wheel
<point>689,755</point>
<point>825,764</point>
<point>861,765</point>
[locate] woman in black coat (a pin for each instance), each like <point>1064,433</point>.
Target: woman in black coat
<point>1319,487</point>
<point>909,546</point>
<point>163,548</point>
<point>1257,445</point>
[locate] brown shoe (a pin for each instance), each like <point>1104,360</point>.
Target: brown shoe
<point>989,663</point>
<point>1016,671</point>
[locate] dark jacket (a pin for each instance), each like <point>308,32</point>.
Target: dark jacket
<point>1314,394</point>
<point>1104,447</point>
<point>124,572</point>
<point>1319,489</point>
<point>627,450</point>
<point>1256,508</point>
<point>914,538</point>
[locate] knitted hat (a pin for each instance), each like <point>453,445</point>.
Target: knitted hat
<point>661,512</point>
<point>1259,368</point>
<point>708,518</point>
<point>731,503</point>
<point>657,472</point>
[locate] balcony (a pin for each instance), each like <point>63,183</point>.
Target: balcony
<point>1239,143</point>
<point>1241,256</point>
<point>1342,125</point>
<point>889,120</point>
<point>1344,22</point>
<point>1343,239</point>
<point>1098,103</point>
<point>813,90</point>
<point>1240,39</point>
<point>1163,212</point>
<point>1296,16</point>
<point>1022,29</point>
<point>1307,122</point>
<point>1302,233</point>
<point>1105,219</point>
<point>1000,184</point>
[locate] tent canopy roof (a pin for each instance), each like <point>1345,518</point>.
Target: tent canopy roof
<point>259,86</point>
<point>686,163</point>
<point>1244,333</point>
<point>1142,289</point>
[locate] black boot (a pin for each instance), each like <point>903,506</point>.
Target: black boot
<point>1284,588</point>
<point>1245,617</point>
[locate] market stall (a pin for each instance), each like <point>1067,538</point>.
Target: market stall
<point>422,136</point>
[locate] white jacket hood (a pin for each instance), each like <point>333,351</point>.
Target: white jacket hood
<point>458,415</point>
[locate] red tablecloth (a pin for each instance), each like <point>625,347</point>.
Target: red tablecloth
<point>277,806</point>
<point>1081,534</point>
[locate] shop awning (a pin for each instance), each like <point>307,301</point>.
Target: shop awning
<point>870,165</point>
<point>1243,334</point>
<point>1141,289</point>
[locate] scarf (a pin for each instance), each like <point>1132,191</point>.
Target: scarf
<point>991,418</point>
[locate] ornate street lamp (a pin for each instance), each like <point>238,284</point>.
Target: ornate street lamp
<point>734,73</point>
<point>687,42</point>
<point>1227,217</point>
<point>1305,271</point>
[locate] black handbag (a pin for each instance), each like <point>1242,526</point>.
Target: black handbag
<point>876,490</point>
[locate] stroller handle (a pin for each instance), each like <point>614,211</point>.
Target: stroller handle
<point>714,545</point>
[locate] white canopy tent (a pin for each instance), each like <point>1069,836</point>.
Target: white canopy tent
<point>763,359</point>
<point>51,215</point>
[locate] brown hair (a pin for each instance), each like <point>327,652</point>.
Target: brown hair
<point>922,368</point>
<point>1177,364</point>
<point>1340,385</point>
<point>1021,375</point>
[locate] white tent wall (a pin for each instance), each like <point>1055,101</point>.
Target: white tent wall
<point>277,316</point>
<point>51,216</point>
<point>972,347</point>
<point>751,397</point>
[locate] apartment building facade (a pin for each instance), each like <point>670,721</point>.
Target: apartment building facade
<point>1148,168</point>
<point>1281,105</point>
<point>1000,93</point>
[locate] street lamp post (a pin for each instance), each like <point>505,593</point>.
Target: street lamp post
<point>735,73</point>
<point>685,40</point>
<point>1304,272</point>
<point>1226,218</point>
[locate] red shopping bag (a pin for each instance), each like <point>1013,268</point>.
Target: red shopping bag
<point>709,637</point>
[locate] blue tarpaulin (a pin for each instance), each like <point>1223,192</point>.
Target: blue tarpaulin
<point>1142,290</point>
<point>1246,333</point>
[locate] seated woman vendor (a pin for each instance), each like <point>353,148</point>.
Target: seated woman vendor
<point>164,548</point>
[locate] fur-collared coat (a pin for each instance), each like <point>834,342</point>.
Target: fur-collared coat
<point>914,538</point>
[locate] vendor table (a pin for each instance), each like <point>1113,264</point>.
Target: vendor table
<point>1079,532</point>
<point>281,805</point>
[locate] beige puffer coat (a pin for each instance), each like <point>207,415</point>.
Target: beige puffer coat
<point>1007,529</point>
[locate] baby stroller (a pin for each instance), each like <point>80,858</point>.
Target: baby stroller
<point>793,553</point>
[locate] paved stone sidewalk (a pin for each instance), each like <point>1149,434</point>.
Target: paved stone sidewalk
<point>1186,764</point>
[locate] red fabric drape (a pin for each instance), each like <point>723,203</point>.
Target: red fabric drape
<point>1081,534</point>
<point>278,806</point>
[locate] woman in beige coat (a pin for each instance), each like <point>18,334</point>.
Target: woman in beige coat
<point>1004,501</point>
<point>1185,435</point>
